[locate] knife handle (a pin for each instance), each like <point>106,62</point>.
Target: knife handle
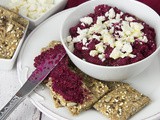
<point>10,106</point>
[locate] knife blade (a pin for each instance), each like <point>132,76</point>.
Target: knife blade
<point>37,76</point>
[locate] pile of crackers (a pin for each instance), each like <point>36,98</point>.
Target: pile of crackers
<point>115,100</point>
<point>12,28</point>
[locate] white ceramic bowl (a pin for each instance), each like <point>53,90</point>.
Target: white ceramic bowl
<point>58,5</point>
<point>104,72</point>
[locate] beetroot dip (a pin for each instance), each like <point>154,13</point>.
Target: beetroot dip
<point>110,37</point>
<point>65,82</point>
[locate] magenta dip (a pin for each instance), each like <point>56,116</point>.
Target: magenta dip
<point>110,37</point>
<point>65,82</point>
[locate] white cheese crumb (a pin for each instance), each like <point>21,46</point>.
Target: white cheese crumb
<point>129,19</point>
<point>69,39</point>
<point>144,39</point>
<point>71,46</point>
<point>111,13</point>
<point>136,26</point>
<point>127,48</point>
<point>111,30</point>
<point>87,20</point>
<point>31,8</point>
<point>118,16</point>
<point>119,44</point>
<point>84,48</point>
<point>115,53</point>
<point>108,39</point>
<point>101,57</point>
<point>100,19</point>
<point>126,28</point>
<point>132,56</point>
<point>93,53</point>
<point>84,41</point>
<point>96,37</point>
<point>120,41</point>
<point>100,47</point>
<point>83,24</point>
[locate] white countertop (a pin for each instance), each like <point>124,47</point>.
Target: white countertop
<point>9,85</point>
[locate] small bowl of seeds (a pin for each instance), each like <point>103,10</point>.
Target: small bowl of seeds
<point>13,29</point>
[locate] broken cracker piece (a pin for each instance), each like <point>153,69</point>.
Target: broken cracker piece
<point>121,103</point>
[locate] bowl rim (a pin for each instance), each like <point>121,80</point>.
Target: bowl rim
<point>100,66</point>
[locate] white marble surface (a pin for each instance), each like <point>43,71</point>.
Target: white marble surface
<point>9,85</point>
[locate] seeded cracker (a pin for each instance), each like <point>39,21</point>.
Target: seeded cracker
<point>121,103</point>
<point>112,85</point>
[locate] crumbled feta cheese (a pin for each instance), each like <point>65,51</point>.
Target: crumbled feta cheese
<point>100,47</point>
<point>121,13</point>
<point>111,30</point>
<point>106,14</point>
<point>126,28</point>
<point>102,57</point>
<point>84,48</point>
<point>119,44</point>
<point>129,19</point>
<point>96,37</point>
<point>71,46</point>
<point>115,53</point>
<point>132,56</point>
<point>118,16</point>
<point>82,24</point>
<point>127,48</point>
<point>93,53</point>
<point>108,39</point>
<point>84,41</point>
<point>87,20</point>
<point>111,13</point>
<point>96,28</point>
<point>144,39</point>
<point>100,19</point>
<point>82,32</point>
<point>31,8</point>
<point>69,39</point>
<point>136,26</point>
<point>137,34</point>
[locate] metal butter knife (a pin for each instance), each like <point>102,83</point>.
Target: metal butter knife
<point>33,81</point>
